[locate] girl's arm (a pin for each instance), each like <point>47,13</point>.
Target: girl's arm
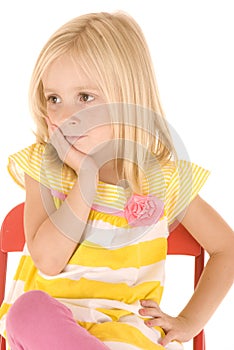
<point>217,238</point>
<point>48,230</point>
<point>52,235</point>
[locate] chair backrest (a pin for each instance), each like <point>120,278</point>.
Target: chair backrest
<point>180,242</point>
<point>12,239</point>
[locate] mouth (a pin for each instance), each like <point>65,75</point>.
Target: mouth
<point>74,139</point>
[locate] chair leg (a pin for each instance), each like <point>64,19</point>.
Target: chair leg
<point>199,341</point>
<point>3,265</point>
<point>2,343</point>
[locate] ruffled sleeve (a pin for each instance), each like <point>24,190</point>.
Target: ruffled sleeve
<point>38,162</point>
<point>185,182</point>
<point>26,161</point>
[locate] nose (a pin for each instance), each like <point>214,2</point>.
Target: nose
<point>65,116</point>
<point>73,121</point>
<point>67,112</point>
<point>71,126</point>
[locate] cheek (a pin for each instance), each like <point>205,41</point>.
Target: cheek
<point>107,132</point>
<point>56,114</point>
<point>52,116</point>
<point>102,133</point>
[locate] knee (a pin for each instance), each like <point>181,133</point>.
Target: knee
<point>25,310</point>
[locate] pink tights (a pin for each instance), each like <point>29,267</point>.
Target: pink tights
<point>37,321</point>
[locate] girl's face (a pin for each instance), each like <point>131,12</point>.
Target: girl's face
<point>69,93</point>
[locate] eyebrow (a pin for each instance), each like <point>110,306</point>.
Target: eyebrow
<point>80,88</point>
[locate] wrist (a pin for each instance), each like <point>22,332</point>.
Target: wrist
<point>191,325</point>
<point>87,165</point>
<point>88,182</point>
<point>90,174</point>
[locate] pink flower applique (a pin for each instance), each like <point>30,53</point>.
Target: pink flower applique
<point>143,210</point>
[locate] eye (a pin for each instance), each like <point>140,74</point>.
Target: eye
<point>54,99</point>
<point>85,97</point>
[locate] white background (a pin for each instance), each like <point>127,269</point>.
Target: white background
<point>191,43</point>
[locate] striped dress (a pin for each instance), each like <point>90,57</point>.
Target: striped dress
<point>105,278</point>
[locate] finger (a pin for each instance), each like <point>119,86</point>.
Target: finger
<point>47,119</point>
<point>51,130</point>
<point>149,303</point>
<point>158,321</point>
<point>60,144</point>
<point>154,312</point>
<point>48,125</point>
<point>51,127</point>
<point>170,336</point>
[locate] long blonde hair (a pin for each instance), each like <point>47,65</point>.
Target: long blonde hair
<point>113,46</point>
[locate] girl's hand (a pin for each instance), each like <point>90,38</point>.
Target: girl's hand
<point>74,158</point>
<point>175,328</point>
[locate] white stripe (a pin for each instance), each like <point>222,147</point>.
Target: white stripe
<point>17,288</point>
<point>153,272</point>
<point>174,346</point>
<point>98,303</point>
<point>3,325</point>
<point>129,275</point>
<point>151,333</point>
<point>112,237</point>
<point>120,346</point>
<point>85,314</point>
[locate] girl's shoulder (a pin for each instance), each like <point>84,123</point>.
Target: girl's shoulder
<point>174,169</point>
<point>27,160</point>
<point>41,162</point>
<point>27,154</point>
<point>177,183</point>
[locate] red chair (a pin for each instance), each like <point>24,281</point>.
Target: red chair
<point>180,242</point>
<point>12,240</point>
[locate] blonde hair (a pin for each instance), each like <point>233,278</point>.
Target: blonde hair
<point>113,46</point>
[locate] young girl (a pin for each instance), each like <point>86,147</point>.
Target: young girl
<point>103,183</point>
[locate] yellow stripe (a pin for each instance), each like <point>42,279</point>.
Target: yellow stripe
<point>84,288</point>
<point>115,314</point>
<point>29,160</point>
<point>19,180</point>
<point>112,219</point>
<point>26,272</point>
<point>137,255</point>
<point>4,309</point>
<point>185,184</point>
<point>120,332</point>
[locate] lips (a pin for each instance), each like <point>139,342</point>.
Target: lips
<point>73,139</point>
